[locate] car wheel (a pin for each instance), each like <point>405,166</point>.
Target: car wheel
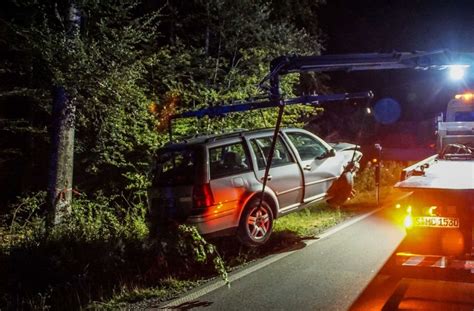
<point>256,223</point>
<point>341,190</point>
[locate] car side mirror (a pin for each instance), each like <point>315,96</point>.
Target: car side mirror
<point>328,154</point>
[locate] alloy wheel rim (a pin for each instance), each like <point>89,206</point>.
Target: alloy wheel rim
<point>258,223</point>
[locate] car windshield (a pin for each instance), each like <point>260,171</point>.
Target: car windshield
<point>175,167</point>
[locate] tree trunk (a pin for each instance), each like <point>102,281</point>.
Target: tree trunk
<point>208,31</point>
<point>62,156</point>
<point>62,142</point>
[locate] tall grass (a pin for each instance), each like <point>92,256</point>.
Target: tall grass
<point>100,250</point>
<point>311,220</point>
<point>365,184</point>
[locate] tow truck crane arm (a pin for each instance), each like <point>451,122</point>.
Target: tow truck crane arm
<point>282,65</point>
<point>441,59</point>
<point>216,111</point>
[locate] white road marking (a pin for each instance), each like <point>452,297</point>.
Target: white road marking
<point>344,225</point>
<point>194,295</point>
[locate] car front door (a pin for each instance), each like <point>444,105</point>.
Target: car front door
<point>285,177</point>
<point>319,171</point>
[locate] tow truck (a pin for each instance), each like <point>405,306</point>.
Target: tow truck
<point>439,214</point>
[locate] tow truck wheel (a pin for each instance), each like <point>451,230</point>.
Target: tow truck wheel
<point>256,223</point>
<point>341,190</point>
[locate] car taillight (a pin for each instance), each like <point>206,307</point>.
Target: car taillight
<point>202,196</point>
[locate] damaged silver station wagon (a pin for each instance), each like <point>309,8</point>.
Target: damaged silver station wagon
<point>215,182</point>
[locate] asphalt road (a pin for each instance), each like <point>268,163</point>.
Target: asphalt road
<point>326,274</point>
<point>414,288</point>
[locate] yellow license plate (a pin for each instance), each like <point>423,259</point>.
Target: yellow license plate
<point>437,222</point>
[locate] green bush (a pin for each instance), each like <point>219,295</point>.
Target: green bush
<point>100,249</point>
<point>104,219</point>
<point>24,222</point>
<point>389,175</point>
<point>97,218</point>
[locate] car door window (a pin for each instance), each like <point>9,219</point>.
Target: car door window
<point>228,160</point>
<point>261,147</point>
<point>308,147</point>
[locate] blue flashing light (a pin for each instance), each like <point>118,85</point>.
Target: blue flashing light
<point>457,72</point>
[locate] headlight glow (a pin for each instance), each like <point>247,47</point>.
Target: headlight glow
<point>408,221</point>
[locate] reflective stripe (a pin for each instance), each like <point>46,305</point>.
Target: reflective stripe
<point>432,261</point>
<point>413,261</point>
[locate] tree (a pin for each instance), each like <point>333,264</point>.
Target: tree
<point>64,113</point>
<point>100,71</point>
<point>222,51</point>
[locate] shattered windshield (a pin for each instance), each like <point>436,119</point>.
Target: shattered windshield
<point>458,151</point>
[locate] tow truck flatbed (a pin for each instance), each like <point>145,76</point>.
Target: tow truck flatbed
<point>435,173</point>
<point>439,217</point>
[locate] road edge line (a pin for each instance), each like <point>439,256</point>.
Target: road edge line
<point>344,225</point>
<point>220,283</point>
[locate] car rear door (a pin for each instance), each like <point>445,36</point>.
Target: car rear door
<point>285,177</point>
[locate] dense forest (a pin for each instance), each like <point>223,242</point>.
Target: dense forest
<point>128,68</point>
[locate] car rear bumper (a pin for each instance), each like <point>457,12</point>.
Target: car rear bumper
<point>214,223</point>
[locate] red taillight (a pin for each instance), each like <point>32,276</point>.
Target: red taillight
<point>202,196</point>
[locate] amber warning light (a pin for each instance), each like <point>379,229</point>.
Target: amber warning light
<point>465,96</point>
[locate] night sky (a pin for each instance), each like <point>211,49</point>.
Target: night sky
<point>385,26</point>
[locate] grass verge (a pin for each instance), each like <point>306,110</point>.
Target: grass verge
<point>148,297</point>
<point>311,220</point>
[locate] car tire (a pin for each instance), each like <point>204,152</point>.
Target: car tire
<point>341,190</point>
<point>256,223</point>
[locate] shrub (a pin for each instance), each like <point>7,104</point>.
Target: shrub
<point>100,249</point>
<point>389,175</point>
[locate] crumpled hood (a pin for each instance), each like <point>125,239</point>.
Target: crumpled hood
<point>347,149</point>
<point>341,146</point>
